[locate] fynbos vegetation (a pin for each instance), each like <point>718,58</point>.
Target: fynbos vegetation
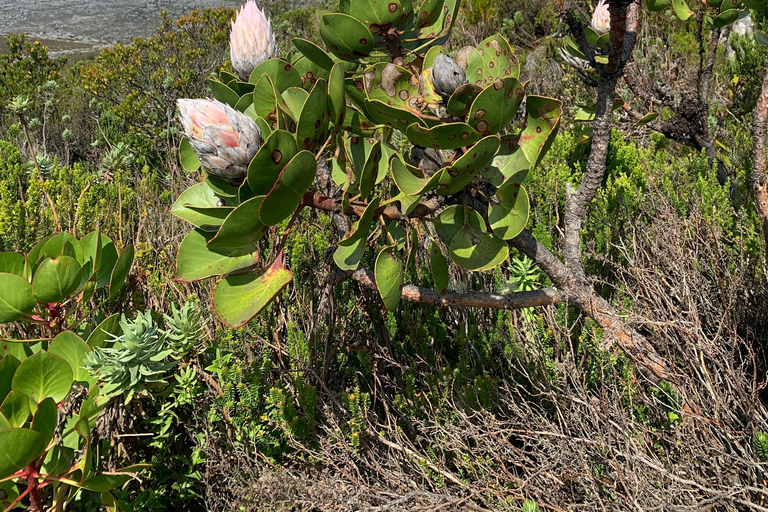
<point>421,268</point>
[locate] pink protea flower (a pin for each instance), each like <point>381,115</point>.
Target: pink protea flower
<point>601,18</point>
<point>251,40</point>
<point>224,139</point>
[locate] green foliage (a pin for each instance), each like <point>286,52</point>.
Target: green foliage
<point>745,72</point>
<point>42,378</point>
<point>137,85</point>
<point>24,72</point>
<point>760,442</point>
<point>388,105</point>
<point>138,359</point>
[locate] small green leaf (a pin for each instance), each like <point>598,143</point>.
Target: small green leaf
<point>726,18</point>
<point>8,365</point>
<point>121,271</point>
<point>45,419</point>
<point>681,9</point>
<point>43,375</point>
<point>187,156</point>
<point>238,298</point>
<point>410,179</point>
<point>657,5</point>
<point>104,332</point>
<point>347,257</point>
<point>16,300</point>
<point>15,409</point>
<point>439,267</point>
<point>369,171</point>
<point>102,483</point>
<point>389,277</point>
<point>56,279</point>
<point>647,118</point>
<point>429,12</point>
<point>223,93</point>
<point>313,52</point>
<point>295,97</point>
<point>18,448</point>
<point>13,263</point>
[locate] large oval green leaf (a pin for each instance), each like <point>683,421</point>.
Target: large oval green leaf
<point>200,206</point>
<point>389,277</point>
<point>281,72</point>
<point>345,36</point>
<point>238,298</point>
<point>195,260</point>
<point>56,279</point>
<point>289,188</point>
<point>452,219</point>
<point>473,249</point>
<point>312,128</point>
<point>17,299</point>
<point>377,15</point>
<point>541,127</point>
<point>264,170</point>
<point>43,375</point>
<point>509,216</point>
<point>443,136</point>
<point>19,447</point>
<point>62,244</point>
<point>241,229</point>
<point>495,107</point>
<point>13,263</point>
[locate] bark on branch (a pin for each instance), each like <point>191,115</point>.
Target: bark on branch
<point>759,179</point>
<point>451,298</point>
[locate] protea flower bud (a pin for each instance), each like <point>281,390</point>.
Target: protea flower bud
<point>601,18</point>
<point>224,139</point>
<point>251,40</point>
<point>447,76</point>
